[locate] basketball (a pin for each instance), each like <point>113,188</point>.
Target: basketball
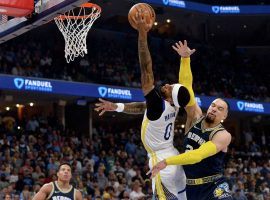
<point>148,11</point>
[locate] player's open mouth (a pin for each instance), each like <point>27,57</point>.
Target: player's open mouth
<point>211,114</point>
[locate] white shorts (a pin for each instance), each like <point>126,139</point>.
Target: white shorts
<point>170,183</point>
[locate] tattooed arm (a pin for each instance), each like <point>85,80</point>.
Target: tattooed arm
<point>129,108</point>
<point>135,108</point>
<point>147,76</point>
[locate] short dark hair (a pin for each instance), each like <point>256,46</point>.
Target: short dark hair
<point>183,96</point>
<point>64,163</point>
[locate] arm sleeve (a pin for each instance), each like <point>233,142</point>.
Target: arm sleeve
<point>154,105</point>
<point>186,79</point>
<point>194,156</point>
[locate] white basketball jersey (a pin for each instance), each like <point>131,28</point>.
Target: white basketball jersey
<point>157,135</point>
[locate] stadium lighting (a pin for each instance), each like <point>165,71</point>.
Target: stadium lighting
<point>183,126</point>
<point>31,104</point>
<point>155,23</point>
<point>168,21</point>
<point>17,105</point>
<point>7,108</point>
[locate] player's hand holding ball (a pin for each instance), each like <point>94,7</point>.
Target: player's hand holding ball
<point>142,17</point>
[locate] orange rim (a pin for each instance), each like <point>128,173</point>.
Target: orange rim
<point>85,5</point>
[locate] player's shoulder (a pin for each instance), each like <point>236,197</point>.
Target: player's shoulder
<point>48,187</point>
<point>78,194</point>
<point>222,134</point>
<point>197,120</point>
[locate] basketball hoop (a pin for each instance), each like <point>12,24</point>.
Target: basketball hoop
<point>3,19</point>
<point>75,26</point>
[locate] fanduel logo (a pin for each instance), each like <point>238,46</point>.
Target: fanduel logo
<point>165,2</point>
<point>225,9</point>
<point>34,85</point>
<point>102,91</point>
<point>240,105</point>
<point>114,93</point>
<point>215,9</point>
<point>251,107</point>
<point>18,83</point>
<point>176,3</point>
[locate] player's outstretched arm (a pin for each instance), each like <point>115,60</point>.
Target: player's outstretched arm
<point>219,142</point>
<point>147,76</point>
<point>130,108</point>
<point>185,78</point>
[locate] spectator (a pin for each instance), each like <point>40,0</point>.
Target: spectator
<point>136,193</point>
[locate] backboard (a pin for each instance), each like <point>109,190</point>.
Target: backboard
<point>45,11</point>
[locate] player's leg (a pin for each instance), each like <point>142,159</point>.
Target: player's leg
<point>173,183</point>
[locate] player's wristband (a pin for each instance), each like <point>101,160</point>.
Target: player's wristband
<point>120,107</point>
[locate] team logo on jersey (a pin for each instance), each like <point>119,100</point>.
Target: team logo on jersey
<point>18,82</point>
<point>102,91</point>
<point>222,191</point>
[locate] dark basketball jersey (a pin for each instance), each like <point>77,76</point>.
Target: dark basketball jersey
<point>194,138</point>
<point>58,194</point>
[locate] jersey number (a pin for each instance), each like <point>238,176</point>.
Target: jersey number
<point>188,148</point>
<point>168,130</point>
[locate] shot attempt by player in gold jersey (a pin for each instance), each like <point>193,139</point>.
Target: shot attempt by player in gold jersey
<point>160,111</point>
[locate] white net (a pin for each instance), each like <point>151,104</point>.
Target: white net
<point>3,19</point>
<point>75,26</point>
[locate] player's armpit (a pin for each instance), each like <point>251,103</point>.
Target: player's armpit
<point>194,156</point>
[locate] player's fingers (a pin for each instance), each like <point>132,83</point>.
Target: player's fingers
<point>98,109</point>
<point>102,112</point>
<point>185,43</point>
<point>149,26</point>
<point>175,48</point>
<point>178,45</point>
<point>142,18</point>
<point>181,44</point>
<point>192,51</point>
<point>153,175</point>
<point>102,100</point>
<point>98,104</point>
<point>135,19</point>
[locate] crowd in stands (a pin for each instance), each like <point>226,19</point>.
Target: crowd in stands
<point>113,59</point>
<point>111,165</point>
